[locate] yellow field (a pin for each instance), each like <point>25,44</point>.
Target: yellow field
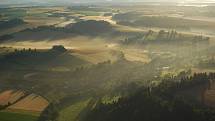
<point>133,54</point>
<point>97,57</point>
<point>36,21</point>
<point>99,18</point>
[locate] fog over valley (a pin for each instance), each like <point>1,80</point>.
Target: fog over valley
<point>107,60</point>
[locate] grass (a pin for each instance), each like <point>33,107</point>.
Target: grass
<point>71,113</point>
<point>96,57</point>
<point>9,116</point>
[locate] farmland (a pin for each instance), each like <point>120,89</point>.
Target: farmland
<point>8,116</point>
<point>100,62</point>
<point>17,105</point>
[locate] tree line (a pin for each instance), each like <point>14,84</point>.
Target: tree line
<point>158,104</point>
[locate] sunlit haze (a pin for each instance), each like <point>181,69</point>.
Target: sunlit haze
<point>107,60</point>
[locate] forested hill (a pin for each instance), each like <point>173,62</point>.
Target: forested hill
<point>158,104</point>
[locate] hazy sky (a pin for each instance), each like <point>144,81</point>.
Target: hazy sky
<point>76,1</point>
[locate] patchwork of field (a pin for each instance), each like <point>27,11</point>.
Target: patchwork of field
<point>30,103</point>
<point>21,106</point>
<point>45,16</point>
<point>159,58</point>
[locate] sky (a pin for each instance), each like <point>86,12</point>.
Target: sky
<point>81,1</point>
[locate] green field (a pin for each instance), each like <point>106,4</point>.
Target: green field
<point>8,116</point>
<point>71,112</point>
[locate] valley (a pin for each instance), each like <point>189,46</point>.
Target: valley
<point>104,62</point>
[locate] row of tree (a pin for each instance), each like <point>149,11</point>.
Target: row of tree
<point>164,36</point>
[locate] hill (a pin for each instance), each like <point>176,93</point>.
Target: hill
<point>90,27</point>
<point>39,59</point>
<point>17,105</point>
<point>11,23</point>
<point>156,104</point>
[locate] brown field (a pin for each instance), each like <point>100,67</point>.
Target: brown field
<point>30,103</point>
<point>10,96</point>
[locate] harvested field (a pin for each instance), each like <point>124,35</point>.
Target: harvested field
<point>31,103</point>
<point>10,96</point>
